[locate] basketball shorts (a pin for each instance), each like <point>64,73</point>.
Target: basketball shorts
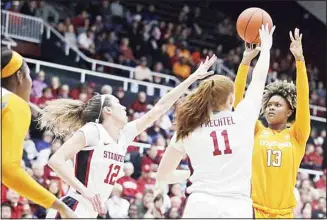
<point>201,205</point>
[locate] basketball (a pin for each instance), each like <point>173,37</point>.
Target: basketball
<point>249,23</point>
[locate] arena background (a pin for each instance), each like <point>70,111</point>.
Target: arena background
<point>138,50</point>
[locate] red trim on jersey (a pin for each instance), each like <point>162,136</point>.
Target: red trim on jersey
<point>88,167</point>
<point>75,206</point>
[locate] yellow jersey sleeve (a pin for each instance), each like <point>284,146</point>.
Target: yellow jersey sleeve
<point>16,118</point>
<point>258,127</point>
<point>301,127</point>
<point>240,83</point>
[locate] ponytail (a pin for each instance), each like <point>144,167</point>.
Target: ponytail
<point>62,117</point>
<point>194,111</point>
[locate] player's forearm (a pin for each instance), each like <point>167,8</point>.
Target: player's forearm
<point>261,69</point>
<point>240,83</point>
<point>259,76</point>
<point>175,177</point>
<point>66,173</point>
<point>302,119</point>
<point>178,176</point>
<point>14,177</point>
<point>164,104</point>
<point>167,101</point>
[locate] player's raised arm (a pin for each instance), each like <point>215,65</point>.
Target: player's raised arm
<point>240,81</point>
<point>254,94</point>
<point>301,127</point>
<point>168,100</point>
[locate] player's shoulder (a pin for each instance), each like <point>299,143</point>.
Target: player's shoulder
<point>129,131</point>
<point>90,127</point>
<point>263,131</point>
<point>12,101</point>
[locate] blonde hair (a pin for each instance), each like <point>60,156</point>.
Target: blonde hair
<point>284,89</point>
<point>211,95</point>
<point>65,116</point>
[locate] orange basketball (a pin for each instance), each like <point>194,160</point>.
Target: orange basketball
<point>249,23</point>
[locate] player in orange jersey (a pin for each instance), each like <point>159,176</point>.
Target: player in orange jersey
<point>278,148</point>
<point>16,118</point>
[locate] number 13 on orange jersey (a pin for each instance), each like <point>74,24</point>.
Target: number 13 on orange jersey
<point>274,158</point>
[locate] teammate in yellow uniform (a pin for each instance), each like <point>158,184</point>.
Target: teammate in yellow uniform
<point>278,148</point>
<point>16,118</point>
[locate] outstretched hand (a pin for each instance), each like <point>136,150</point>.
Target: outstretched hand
<point>266,36</point>
<point>96,201</point>
<point>250,53</point>
<point>296,44</point>
<point>203,68</point>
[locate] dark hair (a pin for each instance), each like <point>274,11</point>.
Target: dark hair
<point>6,55</point>
<point>65,116</point>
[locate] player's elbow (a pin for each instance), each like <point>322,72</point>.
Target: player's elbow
<point>6,170</point>
<point>160,177</point>
<point>307,134</point>
<point>9,173</point>
<point>54,162</point>
<point>153,115</point>
<point>303,136</point>
<point>159,110</point>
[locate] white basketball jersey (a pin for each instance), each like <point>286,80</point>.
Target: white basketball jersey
<point>220,152</point>
<point>98,167</point>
